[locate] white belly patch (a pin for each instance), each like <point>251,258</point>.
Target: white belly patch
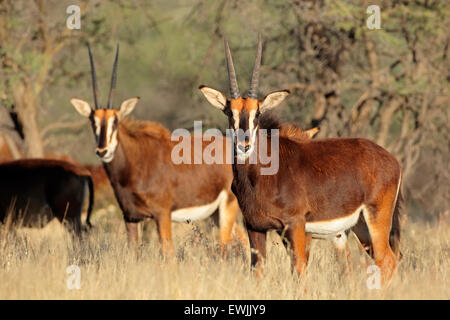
<point>335,226</point>
<point>200,212</point>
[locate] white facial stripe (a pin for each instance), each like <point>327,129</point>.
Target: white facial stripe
<point>251,120</point>
<point>236,118</point>
<point>109,130</point>
<point>97,126</point>
<point>253,136</point>
<point>251,127</point>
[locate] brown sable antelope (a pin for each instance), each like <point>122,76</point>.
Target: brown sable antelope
<point>136,156</point>
<point>322,188</point>
<point>34,191</point>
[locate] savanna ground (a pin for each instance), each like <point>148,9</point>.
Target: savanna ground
<point>389,85</point>
<point>33,265</point>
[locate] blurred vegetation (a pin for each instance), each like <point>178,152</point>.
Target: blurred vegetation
<point>389,85</point>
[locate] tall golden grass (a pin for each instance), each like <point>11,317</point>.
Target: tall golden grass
<point>33,265</point>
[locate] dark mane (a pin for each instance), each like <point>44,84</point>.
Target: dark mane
<point>270,120</point>
<point>293,132</point>
<point>140,128</point>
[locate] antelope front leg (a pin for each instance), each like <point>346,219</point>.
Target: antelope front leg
<point>132,232</point>
<point>297,236</point>
<point>133,237</point>
<point>228,211</point>
<point>307,243</point>
<point>164,223</point>
<point>258,250</point>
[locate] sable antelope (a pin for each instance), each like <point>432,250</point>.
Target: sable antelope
<point>322,188</point>
<point>34,191</point>
<point>136,156</point>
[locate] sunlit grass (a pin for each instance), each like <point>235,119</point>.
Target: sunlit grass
<point>33,266</point>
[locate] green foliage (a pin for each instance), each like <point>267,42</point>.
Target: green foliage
<point>318,49</point>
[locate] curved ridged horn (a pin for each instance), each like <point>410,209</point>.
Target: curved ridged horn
<point>253,91</point>
<point>113,78</point>
<point>234,89</point>
<point>94,79</point>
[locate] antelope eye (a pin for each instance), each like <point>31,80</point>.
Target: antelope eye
<point>256,119</point>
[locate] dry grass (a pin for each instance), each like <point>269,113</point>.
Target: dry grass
<point>33,266</point>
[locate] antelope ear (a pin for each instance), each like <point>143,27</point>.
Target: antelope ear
<point>82,107</point>
<point>127,107</point>
<point>215,97</point>
<point>272,100</point>
<point>312,132</point>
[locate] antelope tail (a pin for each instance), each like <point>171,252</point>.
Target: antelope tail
<point>91,201</point>
<point>394,236</point>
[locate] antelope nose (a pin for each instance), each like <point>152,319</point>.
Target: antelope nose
<point>101,152</point>
<point>244,148</point>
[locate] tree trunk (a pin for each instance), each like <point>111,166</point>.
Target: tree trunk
<point>386,117</point>
<point>25,105</point>
<point>361,117</point>
<point>12,147</point>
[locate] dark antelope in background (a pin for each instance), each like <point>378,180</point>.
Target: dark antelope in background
<point>322,188</point>
<point>137,158</point>
<point>34,191</point>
